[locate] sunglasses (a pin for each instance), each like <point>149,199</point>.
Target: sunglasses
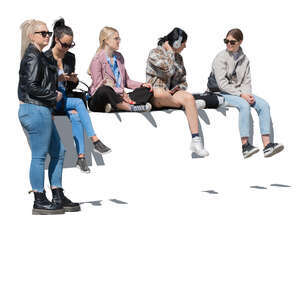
<point>65,45</point>
<point>44,33</point>
<point>231,42</point>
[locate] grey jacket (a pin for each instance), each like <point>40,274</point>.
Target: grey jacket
<point>232,76</point>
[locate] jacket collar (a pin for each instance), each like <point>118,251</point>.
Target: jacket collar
<point>102,56</point>
<point>31,47</point>
<point>241,54</point>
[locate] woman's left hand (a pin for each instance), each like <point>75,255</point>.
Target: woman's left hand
<point>147,85</point>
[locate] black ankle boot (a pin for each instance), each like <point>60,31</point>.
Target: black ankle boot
<point>60,198</point>
<point>42,206</point>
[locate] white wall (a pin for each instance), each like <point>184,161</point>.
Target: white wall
<point>170,239</point>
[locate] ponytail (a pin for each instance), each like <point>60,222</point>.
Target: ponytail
<point>28,27</point>
<point>59,30</point>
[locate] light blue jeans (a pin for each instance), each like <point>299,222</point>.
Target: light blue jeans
<point>262,108</point>
<point>43,139</point>
<point>80,120</point>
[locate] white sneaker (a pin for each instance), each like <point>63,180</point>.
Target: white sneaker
<point>108,108</point>
<point>197,147</point>
<point>200,104</point>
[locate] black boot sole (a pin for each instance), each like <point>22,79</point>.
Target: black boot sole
<point>38,211</point>
<point>72,209</point>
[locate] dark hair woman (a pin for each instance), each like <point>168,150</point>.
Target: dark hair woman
<point>166,72</point>
<point>231,76</point>
<point>74,108</point>
<point>38,95</point>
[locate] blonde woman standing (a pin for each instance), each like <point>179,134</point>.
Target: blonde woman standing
<point>38,95</point>
<point>110,78</point>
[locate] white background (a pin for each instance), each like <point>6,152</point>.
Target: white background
<point>162,236</point>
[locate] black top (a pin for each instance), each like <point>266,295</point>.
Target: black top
<point>68,65</point>
<point>37,78</point>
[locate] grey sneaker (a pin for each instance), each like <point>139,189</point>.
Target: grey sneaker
<point>82,165</point>
<point>200,104</point>
<point>141,108</point>
<point>272,149</point>
<point>101,148</point>
<point>249,150</point>
<point>108,108</point>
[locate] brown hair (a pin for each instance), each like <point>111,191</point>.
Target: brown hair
<point>236,33</point>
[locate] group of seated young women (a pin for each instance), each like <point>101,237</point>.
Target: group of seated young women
<point>47,80</point>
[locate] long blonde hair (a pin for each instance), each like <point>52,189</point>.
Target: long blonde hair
<point>28,28</point>
<point>105,33</point>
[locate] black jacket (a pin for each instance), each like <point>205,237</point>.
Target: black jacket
<point>69,67</point>
<point>37,79</point>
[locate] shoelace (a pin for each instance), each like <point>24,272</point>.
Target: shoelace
<point>138,108</point>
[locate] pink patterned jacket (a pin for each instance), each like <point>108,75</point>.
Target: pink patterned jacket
<point>100,70</point>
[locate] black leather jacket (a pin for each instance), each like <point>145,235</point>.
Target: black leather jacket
<point>38,79</point>
<point>69,67</point>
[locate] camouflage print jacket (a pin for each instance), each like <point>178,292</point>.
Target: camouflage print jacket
<point>165,69</point>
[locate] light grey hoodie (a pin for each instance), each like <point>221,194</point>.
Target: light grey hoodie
<point>232,76</point>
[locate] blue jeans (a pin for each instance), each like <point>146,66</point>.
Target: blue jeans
<point>79,120</point>
<point>262,108</point>
<point>43,139</point>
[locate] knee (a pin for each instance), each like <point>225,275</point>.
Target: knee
<point>61,153</point>
<point>244,107</point>
<point>74,117</point>
<point>187,100</point>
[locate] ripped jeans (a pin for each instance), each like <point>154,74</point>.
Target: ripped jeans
<point>80,120</point>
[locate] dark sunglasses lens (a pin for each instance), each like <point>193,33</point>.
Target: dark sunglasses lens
<point>231,42</point>
<point>45,33</point>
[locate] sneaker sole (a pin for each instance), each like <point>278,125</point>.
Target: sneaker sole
<point>72,209</point>
<point>102,153</point>
<point>36,211</point>
<point>201,155</point>
<point>251,153</point>
<point>86,172</point>
<point>277,150</point>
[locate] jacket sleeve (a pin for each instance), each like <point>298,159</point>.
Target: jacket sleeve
<point>97,72</point>
<point>246,83</point>
<point>182,83</point>
<point>161,63</point>
<point>70,84</point>
<point>33,70</point>
<point>219,70</point>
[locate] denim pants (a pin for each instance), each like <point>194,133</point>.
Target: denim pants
<point>43,139</point>
<point>262,108</point>
<point>79,120</point>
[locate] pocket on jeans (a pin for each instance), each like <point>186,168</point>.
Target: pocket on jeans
<point>24,116</point>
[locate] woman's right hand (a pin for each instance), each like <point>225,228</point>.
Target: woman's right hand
<point>127,99</point>
<point>58,96</point>
<point>249,98</point>
<point>167,46</point>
